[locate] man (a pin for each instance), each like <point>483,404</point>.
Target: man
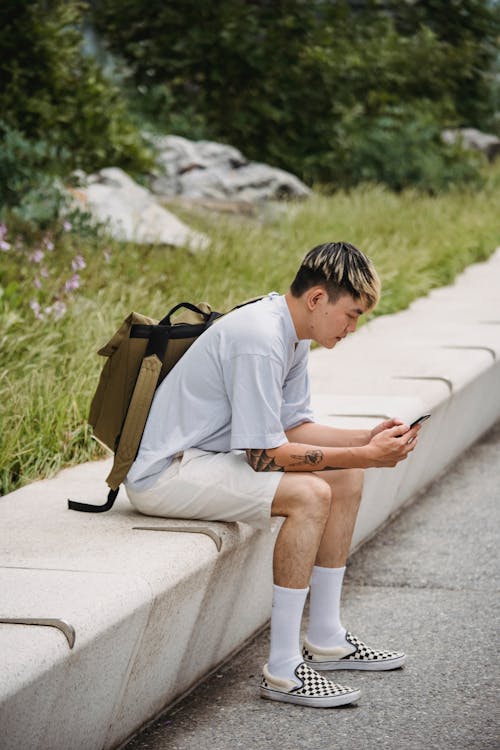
<point>231,437</point>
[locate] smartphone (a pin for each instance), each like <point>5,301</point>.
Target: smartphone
<point>419,420</point>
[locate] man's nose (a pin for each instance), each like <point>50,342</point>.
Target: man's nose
<point>351,327</point>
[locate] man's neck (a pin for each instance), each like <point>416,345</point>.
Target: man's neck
<point>296,314</point>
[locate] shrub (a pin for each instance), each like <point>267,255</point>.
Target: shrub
<point>57,98</point>
<point>285,81</point>
<point>401,147</point>
<point>27,177</point>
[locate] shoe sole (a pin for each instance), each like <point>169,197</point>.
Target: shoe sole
<point>368,665</point>
<point>327,701</point>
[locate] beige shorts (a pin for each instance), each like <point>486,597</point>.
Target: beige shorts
<point>210,487</point>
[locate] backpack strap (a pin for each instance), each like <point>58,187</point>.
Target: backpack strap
<point>135,420</point>
<point>166,321</point>
<point>87,508</point>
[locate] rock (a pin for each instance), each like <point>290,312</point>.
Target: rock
<point>471,138</point>
<point>131,212</point>
<point>200,170</point>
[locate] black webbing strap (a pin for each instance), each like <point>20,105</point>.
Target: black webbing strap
<point>87,508</point>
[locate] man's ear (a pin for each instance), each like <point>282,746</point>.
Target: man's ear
<point>315,295</point>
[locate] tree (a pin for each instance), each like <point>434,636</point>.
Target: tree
<point>50,92</point>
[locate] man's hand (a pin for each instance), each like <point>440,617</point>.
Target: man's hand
<point>386,425</point>
<point>389,446</point>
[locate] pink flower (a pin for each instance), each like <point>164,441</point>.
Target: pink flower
<point>35,306</point>
<point>48,244</point>
<point>58,309</point>
<point>78,263</point>
<point>37,256</point>
<point>72,283</point>
<point>4,245</point>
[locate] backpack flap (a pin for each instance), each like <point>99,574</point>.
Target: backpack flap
<point>110,402</point>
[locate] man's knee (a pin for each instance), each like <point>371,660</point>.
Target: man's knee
<point>305,495</point>
<point>317,500</point>
<point>347,483</point>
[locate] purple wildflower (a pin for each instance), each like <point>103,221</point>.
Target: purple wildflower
<point>44,273</point>
<point>37,283</point>
<point>35,306</point>
<point>72,283</point>
<point>48,244</point>
<point>58,309</point>
<point>67,226</point>
<point>37,256</point>
<point>78,263</point>
<point>4,245</point>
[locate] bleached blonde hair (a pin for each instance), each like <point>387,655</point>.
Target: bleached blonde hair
<point>342,269</point>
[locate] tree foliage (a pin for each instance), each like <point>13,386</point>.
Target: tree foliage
<point>51,93</point>
<point>313,86</point>
<point>334,91</point>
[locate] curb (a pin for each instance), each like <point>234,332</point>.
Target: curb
<point>152,611</point>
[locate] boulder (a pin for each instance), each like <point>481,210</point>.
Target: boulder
<point>471,138</point>
<point>200,170</point>
<point>131,212</point>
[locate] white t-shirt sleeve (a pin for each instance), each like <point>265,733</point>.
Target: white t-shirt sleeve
<point>254,387</point>
<point>296,407</point>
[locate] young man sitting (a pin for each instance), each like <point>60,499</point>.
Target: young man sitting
<point>231,437</point>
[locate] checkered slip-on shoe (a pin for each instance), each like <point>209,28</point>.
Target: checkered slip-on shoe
<point>343,657</point>
<point>313,689</point>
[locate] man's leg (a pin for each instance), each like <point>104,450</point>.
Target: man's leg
<point>325,627</point>
<point>327,645</point>
<point>304,501</point>
<point>346,487</point>
<point>320,511</point>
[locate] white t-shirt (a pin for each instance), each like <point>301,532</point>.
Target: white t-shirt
<point>240,385</point>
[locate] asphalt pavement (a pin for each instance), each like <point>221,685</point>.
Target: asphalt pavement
<point>428,584</point>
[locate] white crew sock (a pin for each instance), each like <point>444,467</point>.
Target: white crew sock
<point>325,629</point>
<point>286,617</point>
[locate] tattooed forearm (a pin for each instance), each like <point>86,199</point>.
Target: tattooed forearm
<point>260,460</point>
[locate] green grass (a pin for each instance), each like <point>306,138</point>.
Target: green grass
<point>49,369</point>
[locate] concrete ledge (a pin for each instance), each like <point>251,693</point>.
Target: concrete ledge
<point>153,610</point>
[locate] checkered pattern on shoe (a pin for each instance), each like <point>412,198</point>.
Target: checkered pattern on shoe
<point>364,652</point>
<point>313,684</point>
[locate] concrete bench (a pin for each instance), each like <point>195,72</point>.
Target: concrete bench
<point>106,619</point>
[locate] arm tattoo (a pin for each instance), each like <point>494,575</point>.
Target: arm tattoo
<point>260,460</point>
<point>310,458</point>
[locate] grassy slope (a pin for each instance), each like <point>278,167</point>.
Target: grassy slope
<point>49,370</point>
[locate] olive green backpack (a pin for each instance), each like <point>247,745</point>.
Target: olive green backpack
<point>139,355</point>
